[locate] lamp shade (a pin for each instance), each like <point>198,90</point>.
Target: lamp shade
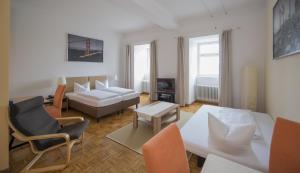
<point>250,88</point>
<point>116,77</point>
<point>61,81</point>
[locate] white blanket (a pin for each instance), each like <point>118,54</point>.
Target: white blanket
<point>118,90</point>
<point>98,94</point>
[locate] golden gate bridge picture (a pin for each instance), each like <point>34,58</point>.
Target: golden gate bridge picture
<point>84,49</point>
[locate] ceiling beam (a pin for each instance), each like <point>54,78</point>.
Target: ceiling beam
<point>151,10</point>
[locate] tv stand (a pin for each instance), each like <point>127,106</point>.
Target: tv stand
<point>166,89</point>
<point>166,96</point>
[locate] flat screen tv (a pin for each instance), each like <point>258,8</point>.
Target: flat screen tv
<point>84,49</point>
<point>165,84</point>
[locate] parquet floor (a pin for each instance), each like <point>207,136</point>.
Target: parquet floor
<point>98,154</point>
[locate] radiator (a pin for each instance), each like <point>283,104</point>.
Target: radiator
<point>207,93</point>
<point>145,86</point>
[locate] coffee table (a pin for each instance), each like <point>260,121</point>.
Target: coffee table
<point>157,113</point>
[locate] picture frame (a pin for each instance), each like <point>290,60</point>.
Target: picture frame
<point>286,28</point>
<point>84,49</point>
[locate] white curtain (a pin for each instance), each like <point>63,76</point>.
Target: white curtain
<point>129,67</point>
<point>180,72</point>
<point>153,71</point>
<point>225,98</point>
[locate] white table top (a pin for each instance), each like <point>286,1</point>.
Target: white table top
<point>216,164</point>
<point>155,109</point>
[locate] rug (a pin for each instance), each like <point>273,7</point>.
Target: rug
<point>135,138</point>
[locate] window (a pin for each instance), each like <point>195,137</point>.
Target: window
<point>208,56</point>
<point>141,67</point>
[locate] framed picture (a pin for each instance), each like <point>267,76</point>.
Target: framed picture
<point>84,49</point>
<point>286,28</point>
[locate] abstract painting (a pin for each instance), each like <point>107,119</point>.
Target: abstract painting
<point>286,28</point>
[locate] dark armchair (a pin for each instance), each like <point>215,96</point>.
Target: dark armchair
<point>31,123</point>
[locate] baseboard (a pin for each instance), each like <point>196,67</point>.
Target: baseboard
<point>207,102</point>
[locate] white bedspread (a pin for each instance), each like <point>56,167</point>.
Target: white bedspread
<point>196,138</point>
<point>119,90</point>
<point>98,94</point>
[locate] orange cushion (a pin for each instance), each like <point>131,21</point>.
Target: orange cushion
<point>285,147</point>
<point>165,153</point>
<point>59,95</point>
<point>53,111</point>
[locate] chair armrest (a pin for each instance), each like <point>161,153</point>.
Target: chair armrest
<point>65,120</point>
<point>40,137</point>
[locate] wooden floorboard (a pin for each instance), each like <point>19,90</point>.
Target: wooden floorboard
<point>98,154</point>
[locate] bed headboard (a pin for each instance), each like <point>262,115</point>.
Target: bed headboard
<point>72,80</point>
<point>83,80</point>
<point>92,80</point>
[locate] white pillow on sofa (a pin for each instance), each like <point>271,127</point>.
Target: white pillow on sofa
<point>99,85</point>
<point>81,88</point>
<point>230,138</point>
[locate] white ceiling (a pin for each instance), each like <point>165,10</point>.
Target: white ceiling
<point>130,15</point>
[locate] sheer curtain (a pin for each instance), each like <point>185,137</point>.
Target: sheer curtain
<point>180,72</point>
<point>129,73</point>
<point>225,98</point>
<point>153,71</point>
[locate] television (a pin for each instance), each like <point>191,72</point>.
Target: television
<point>84,49</point>
<point>165,85</point>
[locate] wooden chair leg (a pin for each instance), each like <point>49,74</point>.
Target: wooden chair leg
<point>44,169</point>
<point>82,138</point>
<point>69,150</point>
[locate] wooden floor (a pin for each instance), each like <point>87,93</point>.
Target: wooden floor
<point>98,154</point>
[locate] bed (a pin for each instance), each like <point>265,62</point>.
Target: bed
<point>195,135</point>
<point>129,97</point>
<point>92,106</point>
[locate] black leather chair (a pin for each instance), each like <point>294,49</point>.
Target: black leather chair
<point>31,123</point>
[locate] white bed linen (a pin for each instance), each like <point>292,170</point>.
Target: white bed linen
<point>118,90</point>
<point>93,102</point>
<point>196,139</point>
<point>126,94</point>
<point>130,96</point>
<point>98,94</point>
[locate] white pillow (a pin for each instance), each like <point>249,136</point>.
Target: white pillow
<point>99,85</point>
<point>81,88</point>
<point>238,116</point>
<point>230,138</point>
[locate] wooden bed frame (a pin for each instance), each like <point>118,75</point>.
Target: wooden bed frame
<point>96,112</point>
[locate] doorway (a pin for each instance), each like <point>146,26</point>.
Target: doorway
<point>142,68</point>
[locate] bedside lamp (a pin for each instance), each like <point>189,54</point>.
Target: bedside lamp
<point>61,81</point>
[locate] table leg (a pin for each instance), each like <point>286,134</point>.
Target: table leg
<point>156,124</point>
<point>178,114</point>
<point>135,120</point>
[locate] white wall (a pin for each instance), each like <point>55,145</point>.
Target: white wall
<point>282,80</point>
<point>38,54</point>
<point>249,43</point>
